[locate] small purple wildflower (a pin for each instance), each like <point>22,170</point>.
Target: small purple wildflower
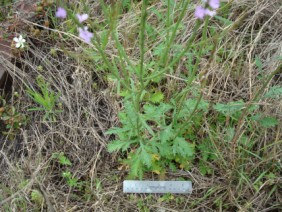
<point>85,35</point>
<point>61,13</point>
<point>200,12</point>
<point>214,4</point>
<point>210,12</point>
<point>82,17</point>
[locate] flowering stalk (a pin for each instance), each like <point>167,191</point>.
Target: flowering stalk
<point>181,54</point>
<point>164,57</point>
<point>202,11</point>
<point>193,75</point>
<point>81,18</point>
<point>84,34</point>
<point>142,39</point>
<point>61,13</point>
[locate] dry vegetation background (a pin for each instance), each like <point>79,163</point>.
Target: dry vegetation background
<point>90,107</point>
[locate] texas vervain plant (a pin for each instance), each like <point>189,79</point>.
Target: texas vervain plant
<point>164,141</point>
<point>159,131</point>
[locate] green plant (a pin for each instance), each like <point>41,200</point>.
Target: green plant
<point>62,159</point>
<point>5,7</point>
<point>158,132</point>
<point>161,123</point>
<point>37,197</point>
<point>45,98</point>
<point>166,198</point>
<point>167,141</point>
<point>71,180</point>
<point>12,119</point>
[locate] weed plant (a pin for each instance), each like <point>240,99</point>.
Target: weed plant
<point>158,131</point>
<point>46,99</point>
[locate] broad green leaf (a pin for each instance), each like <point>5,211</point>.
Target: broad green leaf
<point>268,122</point>
<point>155,113</point>
<point>182,147</point>
<point>146,126</point>
<point>165,150</point>
<point>172,167</point>
<point>166,134</point>
<point>230,108</point>
<point>258,63</point>
<point>204,168</point>
<point>116,130</point>
<point>124,93</point>
<point>224,20</point>
<point>156,97</point>
<point>190,104</point>
<point>204,150</point>
<point>156,168</point>
<point>126,3</point>
<point>118,145</point>
<point>229,133</point>
<point>136,168</point>
<point>274,92</point>
<point>146,158</point>
<point>130,112</point>
<point>159,49</point>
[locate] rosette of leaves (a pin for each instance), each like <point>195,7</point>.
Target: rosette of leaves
<point>156,138</point>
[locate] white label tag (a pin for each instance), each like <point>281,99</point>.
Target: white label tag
<point>174,187</point>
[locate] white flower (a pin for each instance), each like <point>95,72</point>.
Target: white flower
<point>20,42</point>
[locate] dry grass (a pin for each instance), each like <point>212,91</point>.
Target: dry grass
<point>89,110</point>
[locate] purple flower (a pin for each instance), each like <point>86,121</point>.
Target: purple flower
<point>61,13</point>
<point>210,12</point>
<point>214,4</point>
<point>85,35</point>
<point>82,17</point>
<point>200,12</point>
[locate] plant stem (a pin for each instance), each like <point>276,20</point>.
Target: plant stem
<point>195,69</point>
<point>141,80</point>
<point>142,41</point>
<point>109,65</point>
<point>176,60</point>
<point>164,60</point>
